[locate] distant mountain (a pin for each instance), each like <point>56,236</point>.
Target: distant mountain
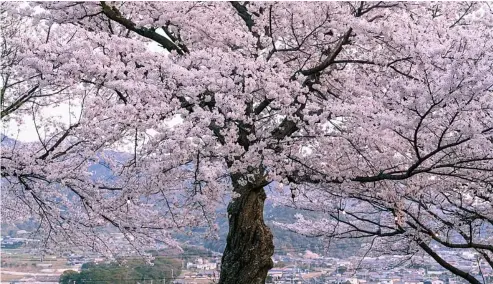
<point>7,141</point>
<point>285,242</point>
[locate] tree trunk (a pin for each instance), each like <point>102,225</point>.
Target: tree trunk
<point>250,246</point>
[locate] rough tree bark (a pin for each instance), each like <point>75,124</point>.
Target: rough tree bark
<point>249,248</point>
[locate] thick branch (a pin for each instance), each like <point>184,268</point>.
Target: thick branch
<point>330,59</point>
<point>447,265</point>
<point>19,102</point>
<point>58,142</point>
<point>114,14</point>
<point>243,13</point>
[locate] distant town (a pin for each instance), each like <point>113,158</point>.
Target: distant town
<point>18,265</point>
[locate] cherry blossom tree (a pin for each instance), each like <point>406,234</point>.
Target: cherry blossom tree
<point>378,116</point>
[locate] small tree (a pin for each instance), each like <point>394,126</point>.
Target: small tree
<point>70,277</point>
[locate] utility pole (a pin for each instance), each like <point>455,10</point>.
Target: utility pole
<point>294,273</point>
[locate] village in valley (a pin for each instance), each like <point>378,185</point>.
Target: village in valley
<point>19,265</point>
